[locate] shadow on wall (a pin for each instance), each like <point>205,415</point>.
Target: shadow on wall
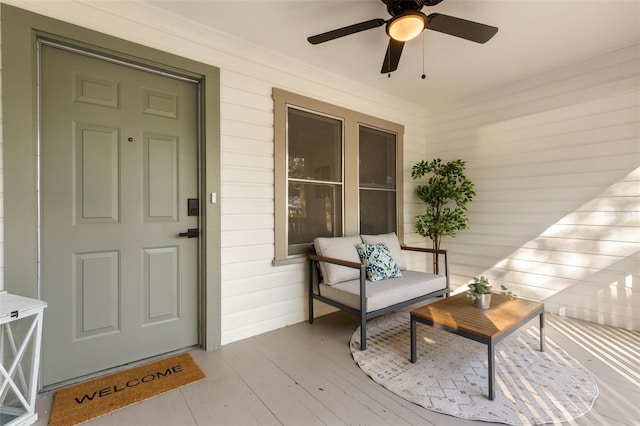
<point>587,265</point>
<point>555,161</point>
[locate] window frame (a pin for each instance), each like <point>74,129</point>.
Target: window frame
<point>351,187</point>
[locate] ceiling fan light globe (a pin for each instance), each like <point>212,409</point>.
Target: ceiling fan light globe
<point>406,27</point>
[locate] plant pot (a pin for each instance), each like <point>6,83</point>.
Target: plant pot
<point>482,301</point>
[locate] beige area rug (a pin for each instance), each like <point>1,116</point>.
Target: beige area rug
<point>100,396</point>
<point>450,375</point>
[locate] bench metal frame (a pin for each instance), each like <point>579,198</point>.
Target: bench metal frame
<point>315,294</point>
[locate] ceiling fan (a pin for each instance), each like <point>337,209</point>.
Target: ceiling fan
<point>406,23</point>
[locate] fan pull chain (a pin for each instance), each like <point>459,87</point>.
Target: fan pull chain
<point>423,74</point>
<point>389,59</point>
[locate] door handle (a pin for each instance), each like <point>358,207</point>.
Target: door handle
<point>191,233</point>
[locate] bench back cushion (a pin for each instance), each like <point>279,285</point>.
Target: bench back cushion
<point>391,240</point>
<point>339,248</point>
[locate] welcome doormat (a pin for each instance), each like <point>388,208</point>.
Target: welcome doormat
<point>100,396</point>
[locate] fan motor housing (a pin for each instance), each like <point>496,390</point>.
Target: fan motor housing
<point>396,7</point>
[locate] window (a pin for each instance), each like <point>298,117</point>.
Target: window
<point>314,179</point>
<point>336,173</point>
<point>377,155</point>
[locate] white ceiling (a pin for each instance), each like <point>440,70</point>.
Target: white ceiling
<point>533,37</point>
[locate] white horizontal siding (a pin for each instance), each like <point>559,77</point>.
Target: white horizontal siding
<point>257,296</point>
<point>556,164</point>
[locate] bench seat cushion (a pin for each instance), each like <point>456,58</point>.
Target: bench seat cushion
<point>384,293</point>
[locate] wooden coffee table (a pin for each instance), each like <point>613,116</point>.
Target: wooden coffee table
<point>457,314</point>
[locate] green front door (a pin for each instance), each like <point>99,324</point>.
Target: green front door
<point>119,160</point>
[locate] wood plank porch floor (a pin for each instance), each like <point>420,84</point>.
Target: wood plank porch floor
<point>304,375</point>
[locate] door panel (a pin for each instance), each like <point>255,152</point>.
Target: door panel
<point>160,184</point>
<point>96,150</point>
<point>161,284</point>
<point>118,163</point>
<point>96,290</point>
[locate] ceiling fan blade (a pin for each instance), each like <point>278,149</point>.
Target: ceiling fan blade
<point>392,57</point>
<point>345,31</point>
<point>458,27</point>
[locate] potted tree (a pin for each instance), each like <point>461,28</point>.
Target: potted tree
<point>480,292</point>
<point>445,195</point>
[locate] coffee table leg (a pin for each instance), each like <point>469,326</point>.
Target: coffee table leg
<point>492,373</point>
<point>413,340</point>
<point>542,331</point>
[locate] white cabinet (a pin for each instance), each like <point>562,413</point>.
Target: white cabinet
<point>20,337</point>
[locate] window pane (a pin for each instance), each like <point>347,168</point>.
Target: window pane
<point>315,146</point>
<point>377,212</point>
<point>315,210</point>
<point>377,158</point>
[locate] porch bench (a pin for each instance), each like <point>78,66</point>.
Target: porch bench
<point>338,278</point>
